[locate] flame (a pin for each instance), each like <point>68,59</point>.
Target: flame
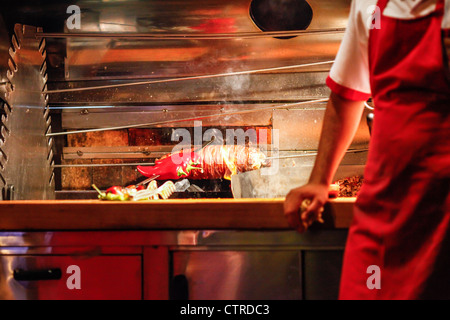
<point>232,167</point>
<point>258,158</point>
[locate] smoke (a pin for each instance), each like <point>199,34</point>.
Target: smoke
<point>235,86</point>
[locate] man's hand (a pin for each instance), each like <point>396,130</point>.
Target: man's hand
<point>341,120</point>
<point>304,205</point>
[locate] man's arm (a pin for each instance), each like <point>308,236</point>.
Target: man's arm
<point>341,120</point>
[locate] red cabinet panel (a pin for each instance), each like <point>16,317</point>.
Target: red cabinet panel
<point>99,277</point>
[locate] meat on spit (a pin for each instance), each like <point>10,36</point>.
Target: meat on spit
<point>210,162</point>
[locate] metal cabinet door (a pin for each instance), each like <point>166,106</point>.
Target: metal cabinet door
<point>239,275</point>
<point>51,277</point>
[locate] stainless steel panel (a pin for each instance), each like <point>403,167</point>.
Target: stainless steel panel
<point>259,265</point>
<point>100,61</point>
<point>4,56</point>
<point>242,89</point>
<point>165,116</point>
<point>121,58</point>
<point>241,275</point>
<point>20,241</point>
<point>71,153</point>
<point>299,129</point>
<point>283,240</point>
<point>322,274</point>
<point>26,153</point>
<point>276,182</point>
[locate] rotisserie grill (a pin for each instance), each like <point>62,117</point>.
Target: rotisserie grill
<point>121,89</point>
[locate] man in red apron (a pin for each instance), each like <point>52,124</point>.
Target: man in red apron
<point>398,245</point>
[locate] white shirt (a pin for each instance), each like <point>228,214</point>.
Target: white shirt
<point>349,74</point>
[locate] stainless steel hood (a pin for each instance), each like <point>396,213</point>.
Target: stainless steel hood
<point>132,40</point>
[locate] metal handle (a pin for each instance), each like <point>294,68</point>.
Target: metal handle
<point>37,275</point>
<point>369,119</point>
<point>179,288</point>
<point>7,192</point>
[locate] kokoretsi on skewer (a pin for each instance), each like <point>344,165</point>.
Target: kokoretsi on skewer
<point>211,162</point>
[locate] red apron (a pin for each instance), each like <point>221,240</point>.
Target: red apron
<point>402,214</point>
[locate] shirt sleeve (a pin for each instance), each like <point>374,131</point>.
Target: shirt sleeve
<point>349,75</point>
<point>446,19</point>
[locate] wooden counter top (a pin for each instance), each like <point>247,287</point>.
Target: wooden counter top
<point>179,214</point>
